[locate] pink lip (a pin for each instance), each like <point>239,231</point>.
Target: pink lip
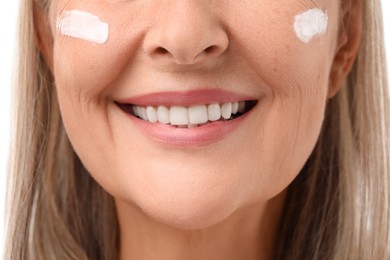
<point>186,98</point>
<point>201,135</point>
<point>197,136</point>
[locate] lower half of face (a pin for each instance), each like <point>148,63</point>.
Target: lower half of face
<point>192,140</point>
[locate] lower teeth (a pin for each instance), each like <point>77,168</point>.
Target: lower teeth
<point>198,125</point>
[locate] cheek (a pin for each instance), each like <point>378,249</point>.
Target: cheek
<point>283,138</point>
<point>92,68</point>
<point>86,73</point>
<point>296,75</point>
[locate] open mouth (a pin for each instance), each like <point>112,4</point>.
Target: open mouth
<point>189,116</point>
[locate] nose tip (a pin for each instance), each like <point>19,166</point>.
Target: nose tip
<point>187,50</point>
<point>187,36</point>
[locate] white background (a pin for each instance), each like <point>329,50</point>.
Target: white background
<point>8,14</point>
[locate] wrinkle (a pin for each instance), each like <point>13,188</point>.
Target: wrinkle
<point>309,4</point>
<point>296,86</point>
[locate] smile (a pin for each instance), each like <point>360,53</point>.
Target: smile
<point>191,116</point>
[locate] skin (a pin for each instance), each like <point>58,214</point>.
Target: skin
<point>217,201</point>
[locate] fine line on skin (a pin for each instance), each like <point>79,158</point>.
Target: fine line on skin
<point>310,23</point>
<point>83,25</point>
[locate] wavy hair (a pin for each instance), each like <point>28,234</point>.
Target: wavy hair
<point>337,208</point>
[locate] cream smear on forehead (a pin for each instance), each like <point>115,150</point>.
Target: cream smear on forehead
<point>310,23</point>
<point>83,25</point>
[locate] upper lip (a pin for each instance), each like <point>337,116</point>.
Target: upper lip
<point>186,98</point>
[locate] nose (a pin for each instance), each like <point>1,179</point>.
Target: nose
<point>186,33</point>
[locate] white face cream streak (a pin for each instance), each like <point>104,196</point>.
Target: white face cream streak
<point>83,25</point>
<point>310,23</point>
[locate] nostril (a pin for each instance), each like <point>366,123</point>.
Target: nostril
<point>210,49</point>
<point>161,50</point>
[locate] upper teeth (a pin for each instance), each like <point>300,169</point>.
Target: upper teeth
<point>189,116</point>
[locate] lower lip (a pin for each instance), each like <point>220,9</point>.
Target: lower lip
<point>197,136</point>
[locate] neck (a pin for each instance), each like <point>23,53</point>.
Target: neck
<point>249,233</point>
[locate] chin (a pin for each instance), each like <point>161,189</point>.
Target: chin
<point>182,196</point>
<point>179,214</point>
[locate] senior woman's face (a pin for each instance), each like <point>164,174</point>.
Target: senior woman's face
<point>187,65</point>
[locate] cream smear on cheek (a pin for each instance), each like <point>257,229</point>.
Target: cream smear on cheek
<point>83,25</point>
<point>310,23</point>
